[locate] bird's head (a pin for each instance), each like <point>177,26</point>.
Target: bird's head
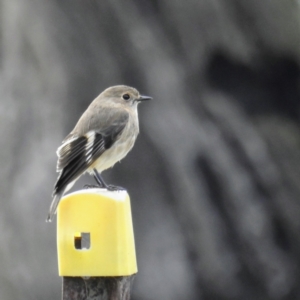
<point>123,95</point>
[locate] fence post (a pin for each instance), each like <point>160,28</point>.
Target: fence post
<point>95,243</point>
<point>97,288</point>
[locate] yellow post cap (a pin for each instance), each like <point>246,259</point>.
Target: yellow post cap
<point>95,234</point>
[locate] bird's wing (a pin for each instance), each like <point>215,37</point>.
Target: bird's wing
<point>78,152</point>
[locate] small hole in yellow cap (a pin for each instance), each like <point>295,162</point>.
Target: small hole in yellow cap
<point>82,240</point>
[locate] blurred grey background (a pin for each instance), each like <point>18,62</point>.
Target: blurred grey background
<point>214,175</point>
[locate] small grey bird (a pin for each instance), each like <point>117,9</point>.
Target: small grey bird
<point>104,135</point>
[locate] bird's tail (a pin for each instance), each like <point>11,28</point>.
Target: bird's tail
<point>54,204</point>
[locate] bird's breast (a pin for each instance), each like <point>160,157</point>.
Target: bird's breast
<point>119,149</point>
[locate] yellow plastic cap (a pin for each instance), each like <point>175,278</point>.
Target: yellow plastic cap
<point>95,234</point>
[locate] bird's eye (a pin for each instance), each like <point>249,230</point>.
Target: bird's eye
<point>126,97</point>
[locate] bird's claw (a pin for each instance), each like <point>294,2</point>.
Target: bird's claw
<point>113,188</point>
<point>92,186</point>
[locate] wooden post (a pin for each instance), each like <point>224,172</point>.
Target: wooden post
<point>97,288</point>
<point>95,243</point>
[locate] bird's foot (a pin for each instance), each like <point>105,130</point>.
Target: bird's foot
<point>113,188</point>
<point>92,186</point>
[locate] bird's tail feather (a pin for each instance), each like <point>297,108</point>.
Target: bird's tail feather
<point>53,206</point>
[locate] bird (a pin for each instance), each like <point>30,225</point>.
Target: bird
<point>103,135</point>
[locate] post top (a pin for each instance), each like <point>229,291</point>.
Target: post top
<point>116,195</point>
<point>104,217</point>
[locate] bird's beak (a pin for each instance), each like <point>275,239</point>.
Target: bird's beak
<point>144,98</point>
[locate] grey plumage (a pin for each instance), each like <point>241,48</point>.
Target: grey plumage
<point>104,134</point>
